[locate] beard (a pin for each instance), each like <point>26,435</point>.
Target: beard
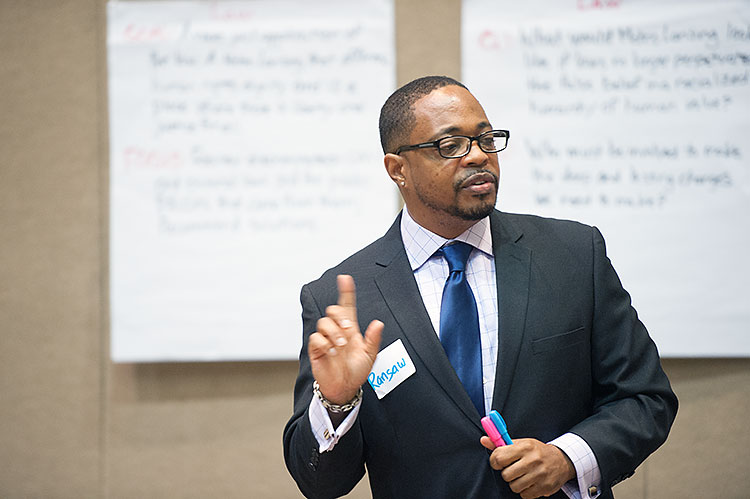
<point>473,213</point>
<point>480,208</point>
<point>476,211</point>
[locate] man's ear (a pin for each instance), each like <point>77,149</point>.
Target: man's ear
<point>395,165</point>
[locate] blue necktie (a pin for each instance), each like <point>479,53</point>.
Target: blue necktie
<point>459,324</point>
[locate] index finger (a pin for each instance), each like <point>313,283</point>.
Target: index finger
<point>505,455</point>
<point>347,293</point>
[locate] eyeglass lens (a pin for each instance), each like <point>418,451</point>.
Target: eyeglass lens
<point>453,147</point>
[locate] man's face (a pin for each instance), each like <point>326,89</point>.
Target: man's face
<point>449,193</point>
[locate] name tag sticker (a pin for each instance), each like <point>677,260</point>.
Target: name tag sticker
<point>392,366</point>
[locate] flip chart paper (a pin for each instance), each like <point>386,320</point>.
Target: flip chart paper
<point>244,160</point>
<point>632,116</point>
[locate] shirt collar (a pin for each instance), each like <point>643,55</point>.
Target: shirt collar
<point>421,244</point>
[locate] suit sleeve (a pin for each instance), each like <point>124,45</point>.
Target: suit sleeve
<point>330,474</point>
<point>634,405</point>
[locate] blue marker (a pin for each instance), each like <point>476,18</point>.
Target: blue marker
<point>497,419</point>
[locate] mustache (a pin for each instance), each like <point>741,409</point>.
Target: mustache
<point>458,184</point>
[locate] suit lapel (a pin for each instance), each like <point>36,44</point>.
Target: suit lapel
<point>401,295</point>
<point>512,268</point>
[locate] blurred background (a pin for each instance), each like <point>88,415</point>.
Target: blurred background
<point>75,424</point>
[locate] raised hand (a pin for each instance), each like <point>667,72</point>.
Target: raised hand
<point>340,357</point>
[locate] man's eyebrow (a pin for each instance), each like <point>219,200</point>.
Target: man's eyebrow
<point>451,130</point>
<point>454,130</point>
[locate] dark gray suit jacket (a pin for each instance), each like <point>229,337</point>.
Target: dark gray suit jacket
<point>572,357</point>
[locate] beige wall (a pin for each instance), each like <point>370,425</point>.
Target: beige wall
<point>72,424</point>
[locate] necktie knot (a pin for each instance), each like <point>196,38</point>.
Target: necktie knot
<point>457,254</point>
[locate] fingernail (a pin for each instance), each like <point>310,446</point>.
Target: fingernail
<point>332,352</point>
<point>341,341</point>
<point>346,323</point>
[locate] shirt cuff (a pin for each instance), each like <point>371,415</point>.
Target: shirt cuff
<point>322,427</point>
<point>588,476</point>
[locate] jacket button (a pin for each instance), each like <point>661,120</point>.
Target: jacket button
<point>314,460</point>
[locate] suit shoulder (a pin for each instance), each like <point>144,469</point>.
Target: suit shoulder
<point>534,225</point>
<point>551,236</point>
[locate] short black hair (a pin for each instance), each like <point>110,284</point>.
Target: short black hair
<point>397,114</point>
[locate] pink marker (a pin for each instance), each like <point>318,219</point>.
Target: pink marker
<point>491,430</point>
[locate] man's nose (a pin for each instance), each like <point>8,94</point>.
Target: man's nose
<point>475,155</point>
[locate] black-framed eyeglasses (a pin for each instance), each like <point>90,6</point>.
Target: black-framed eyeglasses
<point>458,146</point>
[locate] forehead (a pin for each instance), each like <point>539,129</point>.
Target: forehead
<point>447,110</point>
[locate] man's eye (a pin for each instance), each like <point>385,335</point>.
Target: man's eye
<point>450,146</point>
<point>488,142</point>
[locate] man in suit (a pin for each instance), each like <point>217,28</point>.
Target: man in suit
<point>563,355</point>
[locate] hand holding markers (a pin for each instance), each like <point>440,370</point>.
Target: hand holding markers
<point>494,426</point>
<point>531,468</point>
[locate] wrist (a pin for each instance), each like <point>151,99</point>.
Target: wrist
<point>334,407</point>
<point>571,470</point>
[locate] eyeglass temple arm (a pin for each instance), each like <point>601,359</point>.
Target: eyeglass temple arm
<point>417,146</point>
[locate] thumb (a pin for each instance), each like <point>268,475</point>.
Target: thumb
<point>373,334</point>
<point>487,443</point>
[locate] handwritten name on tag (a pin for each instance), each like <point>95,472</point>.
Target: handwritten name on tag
<point>392,366</point>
